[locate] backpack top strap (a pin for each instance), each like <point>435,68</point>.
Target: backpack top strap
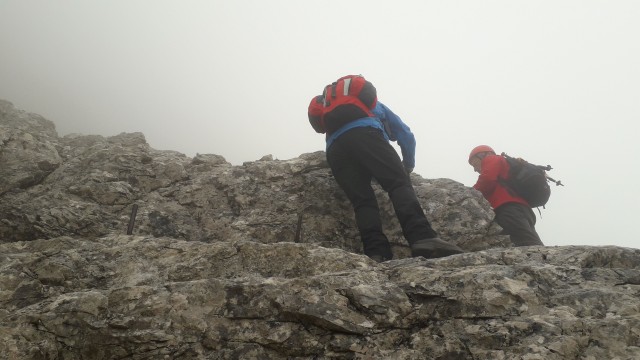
<point>346,86</point>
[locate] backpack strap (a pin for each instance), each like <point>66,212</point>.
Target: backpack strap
<point>346,86</point>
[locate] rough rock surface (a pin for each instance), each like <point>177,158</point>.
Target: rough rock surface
<point>90,184</point>
<point>262,261</point>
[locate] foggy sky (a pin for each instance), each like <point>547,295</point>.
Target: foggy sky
<point>555,82</point>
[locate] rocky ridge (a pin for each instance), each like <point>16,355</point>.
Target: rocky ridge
<point>262,261</point>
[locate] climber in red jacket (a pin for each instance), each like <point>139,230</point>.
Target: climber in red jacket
<point>512,212</point>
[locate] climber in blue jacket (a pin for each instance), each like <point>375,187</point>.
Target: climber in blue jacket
<point>359,151</point>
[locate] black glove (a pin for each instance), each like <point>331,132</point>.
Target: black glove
<point>409,170</point>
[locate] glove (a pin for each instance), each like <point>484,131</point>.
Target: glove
<point>409,170</point>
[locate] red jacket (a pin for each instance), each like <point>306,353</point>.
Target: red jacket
<point>495,167</point>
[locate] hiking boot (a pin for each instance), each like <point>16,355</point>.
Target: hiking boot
<point>434,248</point>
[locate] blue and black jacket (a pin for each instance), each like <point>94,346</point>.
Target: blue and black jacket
<point>391,126</point>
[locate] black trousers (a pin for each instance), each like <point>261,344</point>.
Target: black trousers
<point>355,158</point>
<point>518,221</point>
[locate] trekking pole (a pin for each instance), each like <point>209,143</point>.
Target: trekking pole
<point>558,182</point>
<point>132,219</point>
<point>298,236</point>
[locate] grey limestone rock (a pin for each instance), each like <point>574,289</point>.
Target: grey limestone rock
<point>263,261</point>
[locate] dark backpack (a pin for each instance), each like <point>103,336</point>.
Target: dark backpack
<point>528,181</point>
<point>349,98</point>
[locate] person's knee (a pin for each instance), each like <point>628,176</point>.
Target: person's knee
<point>402,192</point>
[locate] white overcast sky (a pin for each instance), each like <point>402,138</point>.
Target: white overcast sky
<point>556,82</point>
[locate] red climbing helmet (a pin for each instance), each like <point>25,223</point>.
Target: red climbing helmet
<point>479,150</point>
